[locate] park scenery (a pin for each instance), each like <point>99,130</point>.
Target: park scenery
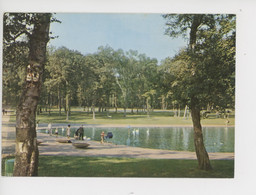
<point>118,95</point>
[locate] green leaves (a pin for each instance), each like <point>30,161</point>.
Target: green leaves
<point>206,70</point>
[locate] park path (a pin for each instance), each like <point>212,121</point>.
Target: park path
<point>96,149</point>
<point>50,146</point>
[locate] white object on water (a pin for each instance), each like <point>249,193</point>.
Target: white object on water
<point>133,132</point>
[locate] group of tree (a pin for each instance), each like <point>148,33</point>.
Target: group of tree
<point>105,79</point>
<point>200,76</point>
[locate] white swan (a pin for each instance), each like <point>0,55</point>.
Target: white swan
<point>133,132</point>
<point>147,131</point>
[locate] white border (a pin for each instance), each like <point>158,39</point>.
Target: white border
<point>245,149</point>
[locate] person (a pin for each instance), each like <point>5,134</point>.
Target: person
<point>102,137</point>
<point>76,134</point>
<point>62,129</point>
<point>68,131</point>
<point>50,129</point>
<point>81,133</point>
<point>227,122</point>
<point>3,111</point>
<point>56,132</point>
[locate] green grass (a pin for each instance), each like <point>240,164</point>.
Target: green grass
<point>163,118</point>
<point>64,166</point>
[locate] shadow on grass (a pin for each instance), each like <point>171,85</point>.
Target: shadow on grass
<point>62,166</point>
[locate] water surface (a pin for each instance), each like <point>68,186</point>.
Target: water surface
<point>216,139</point>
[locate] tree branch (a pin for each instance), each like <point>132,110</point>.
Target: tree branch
<point>21,33</point>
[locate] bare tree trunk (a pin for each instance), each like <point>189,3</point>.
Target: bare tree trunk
<point>67,107</point>
<point>26,157</point>
<point>179,111</point>
<point>93,109</point>
<point>115,103</point>
<point>93,112</point>
<point>49,104</point>
<point>201,153</point>
<point>148,107</point>
<point>59,98</point>
<point>125,111</point>
<point>185,112</point>
<point>163,102</point>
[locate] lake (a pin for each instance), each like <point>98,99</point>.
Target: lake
<point>216,139</point>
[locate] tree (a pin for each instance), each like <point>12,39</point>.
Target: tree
<point>96,85</point>
<point>34,28</point>
<point>123,75</point>
<point>64,68</point>
<point>106,76</point>
<point>205,69</point>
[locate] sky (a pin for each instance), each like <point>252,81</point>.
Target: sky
<point>85,32</point>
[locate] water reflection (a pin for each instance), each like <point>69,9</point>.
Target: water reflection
<point>186,135</point>
<point>93,132</point>
<point>216,139</point>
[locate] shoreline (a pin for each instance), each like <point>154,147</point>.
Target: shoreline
<point>50,147</point>
<point>126,126</point>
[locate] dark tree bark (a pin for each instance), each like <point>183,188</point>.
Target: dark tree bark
<point>26,159</point>
<point>201,153</point>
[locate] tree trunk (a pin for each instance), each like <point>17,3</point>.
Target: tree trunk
<point>163,102</point>
<point>93,109</point>
<point>124,111</point>
<point>93,112</point>
<point>179,111</point>
<point>185,112</point>
<point>201,153</point>
<point>67,107</point>
<point>59,98</point>
<point>148,107</point>
<point>196,22</point>
<point>26,157</point>
<point>49,104</point>
<point>115,103</point>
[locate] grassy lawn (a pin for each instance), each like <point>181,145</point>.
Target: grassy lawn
<point>155,118</point>
<point>64,166</point>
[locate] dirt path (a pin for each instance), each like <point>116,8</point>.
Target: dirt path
<point>51,147</point>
